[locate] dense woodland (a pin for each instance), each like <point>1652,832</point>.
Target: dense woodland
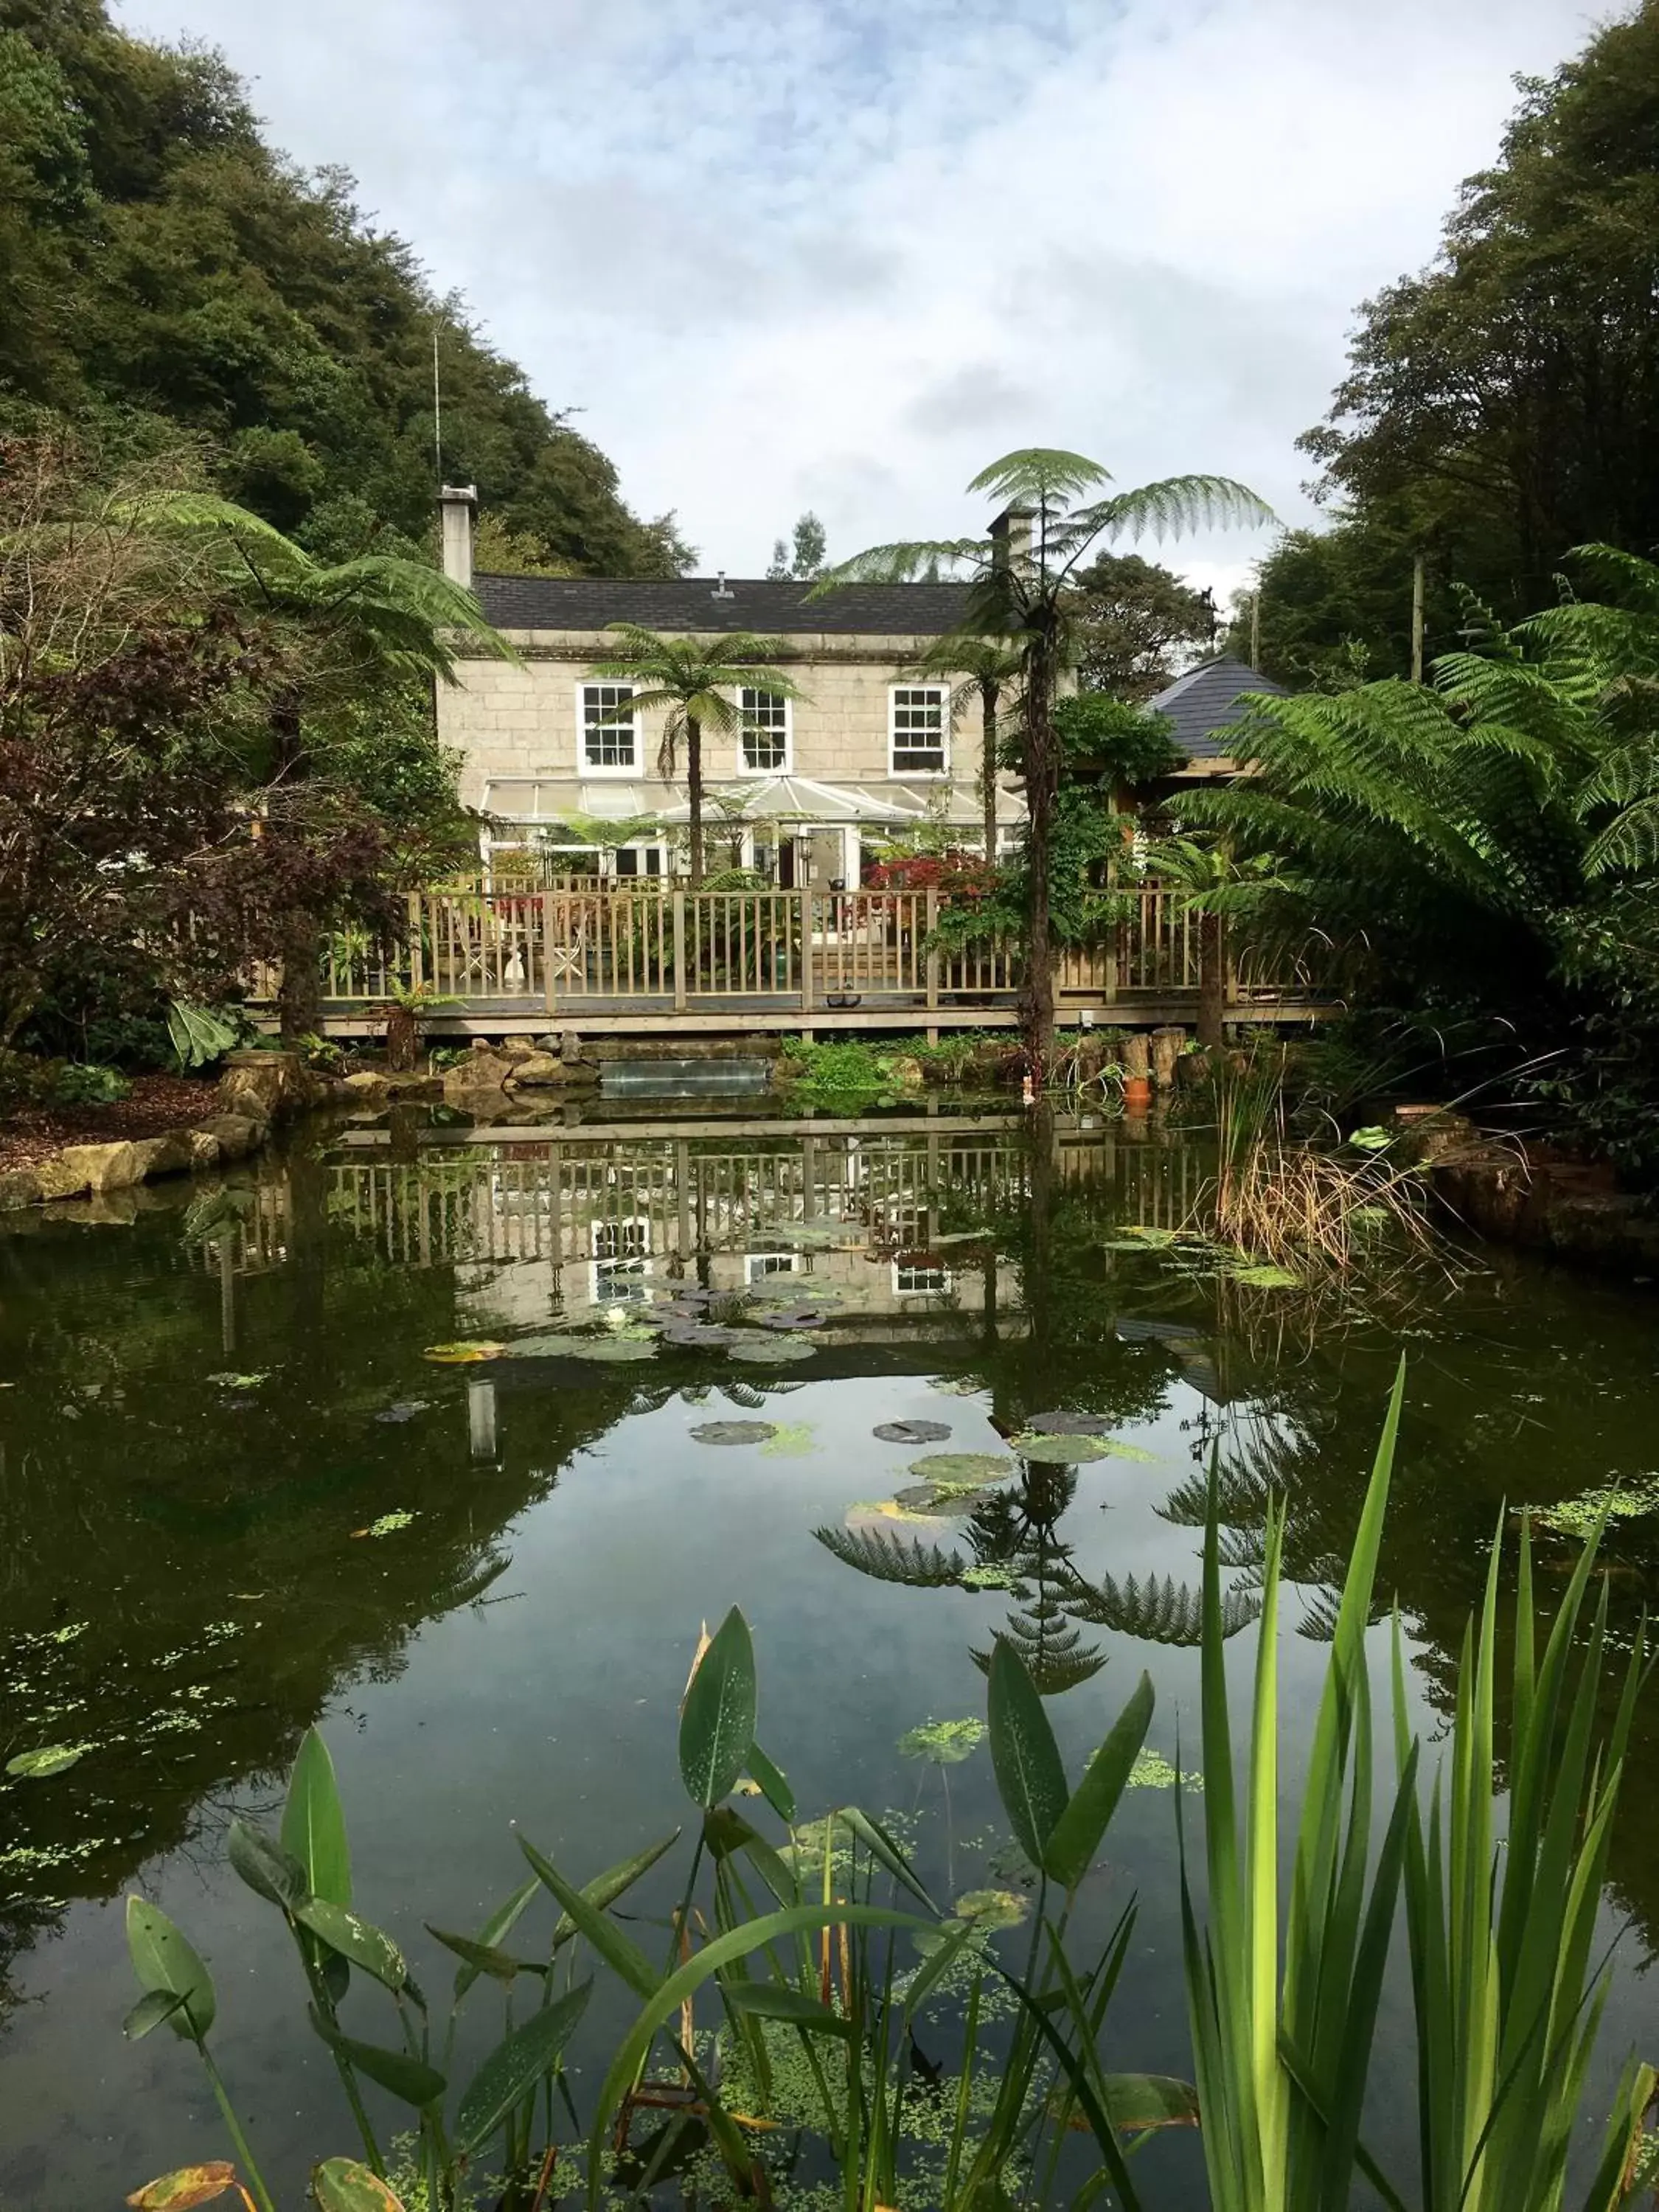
<point>1502,406</point>
<point>165,271</point>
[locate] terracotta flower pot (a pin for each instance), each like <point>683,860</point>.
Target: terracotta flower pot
<point>1136,1093</point>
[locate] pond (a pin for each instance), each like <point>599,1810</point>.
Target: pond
<point>237,1497</point>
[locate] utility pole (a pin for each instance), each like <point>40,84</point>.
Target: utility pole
<point>1255,629</point>
<point>1417,620</point>
<point>437,409</point>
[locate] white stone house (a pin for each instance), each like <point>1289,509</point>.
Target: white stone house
<point>806,791</point>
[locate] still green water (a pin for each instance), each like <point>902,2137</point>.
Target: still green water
<point>235,1498</point>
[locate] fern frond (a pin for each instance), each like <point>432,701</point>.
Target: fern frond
<point>1036,476</point>
<point>1165,1612</point>
<point>904,562</point>
<point>1175,505</point>
<point>892,1559</point>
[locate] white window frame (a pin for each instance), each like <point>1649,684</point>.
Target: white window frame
<point>939,1289</point>
<point>942,693</point>
<point>787,767</point>
<point>762,1266</point>
<point>634,1267</point>
<point>592,767</point>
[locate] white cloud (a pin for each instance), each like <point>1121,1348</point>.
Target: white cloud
<point>841,252</point>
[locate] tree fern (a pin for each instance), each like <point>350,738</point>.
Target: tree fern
<point>891,1559</point>
<point>1157,1612</point>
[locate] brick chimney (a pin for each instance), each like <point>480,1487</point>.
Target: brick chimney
<point>458,505</point>
<point>1011,538</point>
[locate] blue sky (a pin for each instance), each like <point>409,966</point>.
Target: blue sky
<point>840,253</point>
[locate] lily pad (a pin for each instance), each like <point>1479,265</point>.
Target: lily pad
<point>1266,1278</point>
<point>912,1432</point>
<point>702,1336</point>
<point>885,1509</point>
<point>735,1433</point>
<point>794,1317</point>
<point>770,1351</point>
<point>957,1386</point>
<point>465,1354</point>
<point>1069,1424</point>
<point>51,1758</point>
<point>613,1350</point>
<point>1060,1451</point>
<point>934,1504</point>
<point>942,1743</point>
<point>955,1469</point>
<point>991,1908</point>
<point>792,1441</point>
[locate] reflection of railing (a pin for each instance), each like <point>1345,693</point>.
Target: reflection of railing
<point>652,947</point>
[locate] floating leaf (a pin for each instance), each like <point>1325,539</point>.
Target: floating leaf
<point>770,1351</point>
<point>241,1382</point>
<point>735,1433</point>
<point>387,1525</point>
<point>1070,1425</point>
<point>957,1386</point>
<point>340,2184</point>
<point>463,1354</point>
<point>912,1432</point>
<point>1060,1451</point>
<point>793,1440</point>
<point>1266,1278</point>
<point>188,2185</point>
<point>888,1508</point>
<point>954,1469</point>
<point>51,1758</point>
<point>940,1500</point>
<point>613,1350</point>
<point>942,1743</point>
<point>992,1908</point>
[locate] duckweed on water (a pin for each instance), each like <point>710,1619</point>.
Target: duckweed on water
<point>942,1743</point>
<point>1614,1501</point>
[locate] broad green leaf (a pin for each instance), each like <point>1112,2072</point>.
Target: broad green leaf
<point>151,2009</point>
<point>1135,2102</point>
<point>340,2184</point>
<point>366,1946</point>
<point>605,1888</point>
<point>485,1958</point>
<point>515,2066</point>
<point>778,2001</point>
<point>51,1758</point>
<point>1030,1778</point>
<point>189,2185</point>
<point>165,1960</point>
<point>1061,1451</point>
<point>620,1951</point>
<point>408,2078</point>
<point>269,1870</point>
<point>1078,1831</point>
<point>313,1823</point>
<point>774,1783</point>
<point>717,1727</point>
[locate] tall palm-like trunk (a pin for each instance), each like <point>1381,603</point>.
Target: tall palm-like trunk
<point>988,695</point>
<point>1212,979</point>
<point>1041,765</point>
<point>694,795</point>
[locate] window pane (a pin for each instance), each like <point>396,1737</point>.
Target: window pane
<point>608,725</point>
<point>765,731</point>
<point>920,713</point>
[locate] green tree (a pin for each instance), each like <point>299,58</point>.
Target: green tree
<point>990,669</point>
<point>1505,402</point>
<point>367,635</point>
<point>166,272</point>
<point>1133,620</point>
<point>1024,590</point>
<point>689,680</point>
<point>804,561</point>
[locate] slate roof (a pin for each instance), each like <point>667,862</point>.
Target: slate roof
<point>1204,702</point>
<point>681,603</point>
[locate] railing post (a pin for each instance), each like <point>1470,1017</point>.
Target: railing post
<point>549,992</point>
<point>416,953</point>
<point>679,952</point>
<point>805,897</point>
<point>932,957</point>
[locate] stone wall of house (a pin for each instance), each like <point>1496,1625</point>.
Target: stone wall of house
<point>523,721</point>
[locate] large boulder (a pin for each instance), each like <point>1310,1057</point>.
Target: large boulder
<point>236,1134</point>
<point>19,1187</point>
<point>540,1071</point>
<point>172,1154</point>
<point>266,1085</point>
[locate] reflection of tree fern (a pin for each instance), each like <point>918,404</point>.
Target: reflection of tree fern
<point>469,1584</point>
<point>1164,1612</point>
<point>1242,1547</point>
<point>1319,1613</point>
<point>1052,1647</point>
<point>889,1558</point>
<point>1241,1497</point>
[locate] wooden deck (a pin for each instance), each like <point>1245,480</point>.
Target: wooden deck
<point>659,962</point>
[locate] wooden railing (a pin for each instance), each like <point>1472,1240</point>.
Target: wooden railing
<point>652,946</point>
